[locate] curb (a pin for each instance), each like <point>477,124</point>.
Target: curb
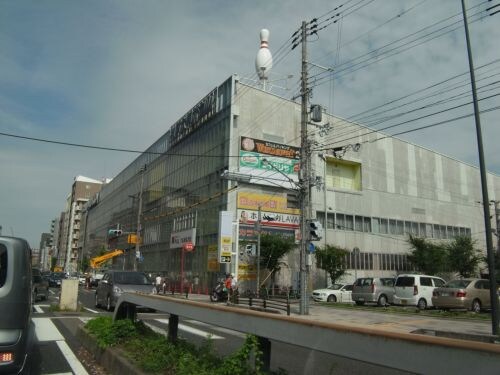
<point>112,359</point>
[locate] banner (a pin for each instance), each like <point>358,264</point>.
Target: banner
<point>178,239</point>
<point>225,236</point>
<point>267,202</point>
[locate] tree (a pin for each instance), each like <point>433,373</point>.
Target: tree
<point>272,249</point>
<point>332,259</point>
<point>427,257</point>
<point>463,257</point>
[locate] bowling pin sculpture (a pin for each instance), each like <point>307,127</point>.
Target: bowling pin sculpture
<point>264,59</point>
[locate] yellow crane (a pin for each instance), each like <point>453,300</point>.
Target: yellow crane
<point>96,262</point>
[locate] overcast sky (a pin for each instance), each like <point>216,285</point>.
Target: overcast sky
<point>119,73</point>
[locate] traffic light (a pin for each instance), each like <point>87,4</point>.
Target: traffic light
<point>113,233</point>
<point>315,230</point>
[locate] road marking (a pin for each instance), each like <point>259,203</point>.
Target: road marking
<point>85,319</point>
<point>219,329</point>
<point>51,291</point>
<point>194,331</point>
<point>75,364</point>
<point>38,309</point>
<point>93,311</point>
<point>46,330</point>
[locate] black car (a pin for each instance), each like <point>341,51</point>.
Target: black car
<point>56,278</point>
<point>40,285</point>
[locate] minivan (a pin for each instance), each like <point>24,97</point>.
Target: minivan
<point>16,329</point>
<point>416,290</point>
<point>379,290</point>
<point>114,283</point>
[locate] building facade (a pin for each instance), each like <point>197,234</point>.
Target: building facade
<point>369,194</point>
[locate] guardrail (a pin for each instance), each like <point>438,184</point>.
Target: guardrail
<point>402,351</point>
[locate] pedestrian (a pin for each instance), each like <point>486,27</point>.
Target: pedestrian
<point>164,284</point>
<point>196,282</point>
<point>228,283</point>
<point>158,283</point>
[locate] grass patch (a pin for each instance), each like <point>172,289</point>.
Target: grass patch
<point>455,314</point>
<point>153,353</point>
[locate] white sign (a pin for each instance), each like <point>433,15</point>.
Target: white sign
<point>178,239</point>
<point>269,218</point>
<point>225,242</point>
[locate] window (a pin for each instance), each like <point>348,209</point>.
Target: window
<point>330,221</point>
<point>340,221</point>
<point>375,225</point>
<point>423,229</point>
<point>342,174</point>
<point>400,227</point>
<point>349,224</point>
<point>3,265</point>
<point>383,226</point>
<point>320,216</point>
<point>438,282</point>
<point>358,223</point>
<point>392,226</point>
<point>426,281</point>
<point>367,227</point>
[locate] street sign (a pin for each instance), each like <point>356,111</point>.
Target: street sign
<point>225,259</point>
<point>311,247</point>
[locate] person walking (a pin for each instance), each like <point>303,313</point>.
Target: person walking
<point>227,285</point>
<point>158,283</point>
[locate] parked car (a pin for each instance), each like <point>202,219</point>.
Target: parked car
<point>379,290</point>
<point>40,286</point>
<point>114,283</point>
<point>334,293</point>
<point>16,328</point>
<point>415,290</point>
<point>56,278</point>
<point>470,294</point>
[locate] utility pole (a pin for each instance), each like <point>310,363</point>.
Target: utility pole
<point>139,213</point>
<point>484,186</point>
<point>304,178</point>
<point>497,223</point>
<point>259,223</point>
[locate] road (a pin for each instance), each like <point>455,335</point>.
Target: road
<point>57,350</point>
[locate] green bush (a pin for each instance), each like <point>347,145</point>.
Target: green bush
<point>153,353</point>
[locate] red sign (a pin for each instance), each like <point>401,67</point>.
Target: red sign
<point>188,246</point>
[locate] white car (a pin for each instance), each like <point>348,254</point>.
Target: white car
<point>334,293</point>
<point>416,290</point>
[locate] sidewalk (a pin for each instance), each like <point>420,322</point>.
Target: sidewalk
<point>384,321</point>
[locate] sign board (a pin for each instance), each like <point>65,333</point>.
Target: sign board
<point>225,236</point>
<point>267,202</point>
<point>178,239</point>
<point>269,218</point>
<point>212,259</point>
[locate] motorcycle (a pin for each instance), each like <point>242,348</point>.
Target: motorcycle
<point>219,293</point>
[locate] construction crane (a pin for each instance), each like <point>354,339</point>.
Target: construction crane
<point>98,261</point>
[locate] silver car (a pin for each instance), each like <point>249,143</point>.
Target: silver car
<point>378,290</point>
<point>114,283</point>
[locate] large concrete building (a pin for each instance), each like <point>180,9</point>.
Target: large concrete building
<point>369,193</point>
<point>82,190</point>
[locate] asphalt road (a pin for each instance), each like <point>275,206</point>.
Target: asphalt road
<point>57,351</point>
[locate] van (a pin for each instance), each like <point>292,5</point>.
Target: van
<point>379,290</point>
<point>16,330</point>
<point>416,290</point>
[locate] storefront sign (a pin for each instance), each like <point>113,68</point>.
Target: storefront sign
<point>267,202</point>
<point>269,218</point>
<point>269,148</point>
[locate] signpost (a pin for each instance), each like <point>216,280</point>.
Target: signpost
<point>186,248</point>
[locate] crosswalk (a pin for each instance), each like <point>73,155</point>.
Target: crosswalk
<point>51,339</point>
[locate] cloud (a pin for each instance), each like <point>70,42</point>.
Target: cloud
<point>119,74</point>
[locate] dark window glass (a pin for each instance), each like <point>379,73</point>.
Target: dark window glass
<point>425,281</point>
<point>438,282</point>
<point>405,281</point>
<point>3,265</point>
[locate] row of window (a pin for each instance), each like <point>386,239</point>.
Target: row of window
<point>378,261</point>
<point>390,226</point>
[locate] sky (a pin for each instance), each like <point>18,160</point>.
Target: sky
<point>119,73</point>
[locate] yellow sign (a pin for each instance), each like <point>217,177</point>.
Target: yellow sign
<point>212,262</point>
<point>132,239</point>
<point>267,202</point>
<point>226,240</point>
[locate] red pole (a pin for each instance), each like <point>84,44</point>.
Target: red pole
<point>182,270</point>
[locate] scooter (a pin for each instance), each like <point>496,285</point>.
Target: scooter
<point>219,293</point>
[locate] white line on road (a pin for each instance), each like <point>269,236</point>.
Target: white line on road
<point>38,309</point>
<point>46,330</point>
<point>194,331</point>
<point>93,311</point>
<point>219,329</point>
<point>75,364</point>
